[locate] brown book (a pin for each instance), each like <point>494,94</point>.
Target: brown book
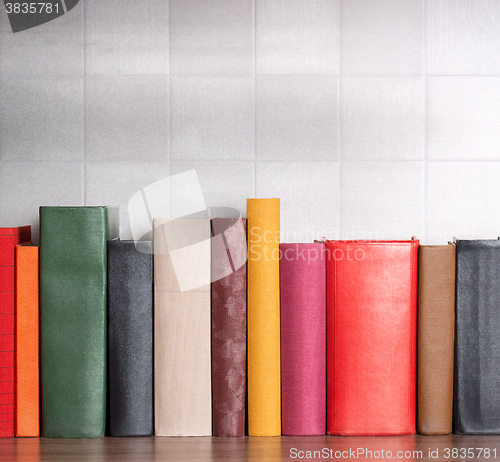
<point>229,325</point>
<point>436,333</point>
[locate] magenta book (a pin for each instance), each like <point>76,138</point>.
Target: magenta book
<point>303,339</point>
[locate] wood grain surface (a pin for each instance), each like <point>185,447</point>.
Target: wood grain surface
<point>208,449</point>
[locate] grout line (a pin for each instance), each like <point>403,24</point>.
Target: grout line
<point>254,50</point>
<point>84,173</point>
<point>424,141</point>
<point>340,39</point>
<point>254,12</point>
<point>204,76</point>
<point>339,122</point>
<point>262,161</point>
<point>169,121</point>
<point>424,38</point>
<point>169,37</point>
<point>254,180</point>
<point>169,153</point>
<point>230,76</point>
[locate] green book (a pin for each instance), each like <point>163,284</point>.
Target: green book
<point>73,297</point>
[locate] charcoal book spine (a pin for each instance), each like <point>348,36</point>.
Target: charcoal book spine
<point>130,338</point>
<point>477,346</point>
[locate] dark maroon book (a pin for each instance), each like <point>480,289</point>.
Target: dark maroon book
<point>229,325</point>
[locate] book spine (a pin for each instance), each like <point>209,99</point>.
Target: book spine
<point>229,325</point>
<point>477,330</point>
<point>73,289</point>
<point>371,337</point>
<point>436,334</point>
<point>264,387</point>
<point>183,388</point>
<point>130,338</point>
<point>9,238</point>
<point>303,339</point>
<point>27,338</point>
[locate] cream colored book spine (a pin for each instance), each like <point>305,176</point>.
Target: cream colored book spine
<point>182,363</point>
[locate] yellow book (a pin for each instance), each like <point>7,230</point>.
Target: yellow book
<point>264,386</point>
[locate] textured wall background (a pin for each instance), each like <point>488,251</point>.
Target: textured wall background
<point>368,118</point>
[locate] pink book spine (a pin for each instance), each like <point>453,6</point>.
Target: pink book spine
<point>303,339</point>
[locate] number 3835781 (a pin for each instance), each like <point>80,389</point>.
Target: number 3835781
<point>32,8</point>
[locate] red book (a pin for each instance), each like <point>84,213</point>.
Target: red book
<point>9,238</point>
<point>371,337</point>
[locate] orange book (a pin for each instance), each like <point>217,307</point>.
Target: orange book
<point>27,366</point>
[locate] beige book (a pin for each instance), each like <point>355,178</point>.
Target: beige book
<point>182,327</point>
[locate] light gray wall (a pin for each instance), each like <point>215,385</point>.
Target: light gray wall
<point>368,118</point>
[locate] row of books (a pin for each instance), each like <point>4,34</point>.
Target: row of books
<point>215,325</point>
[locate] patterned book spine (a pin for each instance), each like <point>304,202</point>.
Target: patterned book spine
<point>183,388</point>
<point>9,238</point>
<point>264,387</point>
<point>27,338</point>
<point>436,335</point>
<point>229,325</point>
<point>303,339</point>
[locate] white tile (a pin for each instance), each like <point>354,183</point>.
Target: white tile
<point>383,118</point>
<point>297,118</point>
<point>382,200</point>
<point>309,194</point>
<point>213,118</point>
<point>211,38</point>
<point>25,186</point>
<point>382,37</point>
<point>463,200</point>
<point>41,118</point>
<point>127,118</point>
<point>114,183</point>
<point>223,184</point>
<point>126,37</point>
<point>53,48</point>
<point>463,37</point>
<point>298,36</point>
<point>463,118</point>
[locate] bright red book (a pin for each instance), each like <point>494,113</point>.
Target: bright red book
<point>9,238</point>
<point>371,337</point>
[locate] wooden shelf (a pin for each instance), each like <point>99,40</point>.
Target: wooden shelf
<point>210,449</point>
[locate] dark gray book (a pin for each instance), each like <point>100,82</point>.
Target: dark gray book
<point>477,348</point>
<point>130,338</point>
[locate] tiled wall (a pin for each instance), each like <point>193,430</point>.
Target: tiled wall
<point>368,118</point>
